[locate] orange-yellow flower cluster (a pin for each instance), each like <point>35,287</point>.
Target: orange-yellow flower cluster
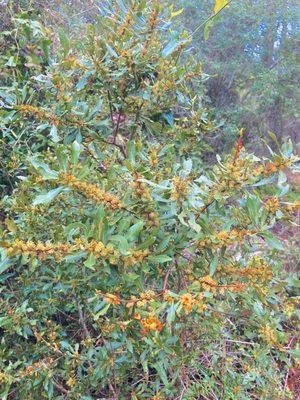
<point>140,188</point>
<point>258,270</point>
<point>278,165</point>
<point>188,301</point>
<point>38,112</point>
<point>128,20</point>
<point>272,205</point>
<point>233,287</point>
<point>208,283</point>
<point>71,382</point>
<point>36,367</point>
<point>152,218</point>
<point>72,62</point>
<point>269,335</point>
<point>233,175</point>
<point>43,250</point>
<point>292,207</point>
<point>112,299</point>
<point>152,19</point>
<point>92,192</point>
<point>40,250</point>
<point>99,250</point>
<point>180,188</point>
<point>148,295</point>
<point>151,323</point>
<point>224,238</point>
<point>136,257</point>
<point>153,158</point>
<point>142,300</point>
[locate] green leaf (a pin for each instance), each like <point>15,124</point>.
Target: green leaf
<point>82,82</point>
<point>64,41</point>
<point>162,374</point>
<point>90,262</point>
<point>264,182</point>
<point>66,345</point>
<point>75,152</point>
<point>54,135</point>
<point>147,243</point>
<point>75,257</point>
<point>131,150</point>
<point>171,46</point>
<point>5,264</point>
<point>253,207</point>
<point>213,265</point>
<point>273,242</point>
<point>48,197</point>
<point>295,353</point>
<point>175,13</point>
<point>11,62</point>
<point>103,311</point>
<point>207,28</point>
<point>159,259</point>
<point>274,138</point>
<point>144,364</point>
<point>287,148</point>
<point>134,230</point>
<point>171,314</point>
<point>74,227</point>
<point>46,172</point>
<point>130,277</point>
<point>121,243</point>
<point>169,118</point>
<point>111,51</point>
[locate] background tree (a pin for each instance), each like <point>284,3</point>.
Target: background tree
<point>253,55</point>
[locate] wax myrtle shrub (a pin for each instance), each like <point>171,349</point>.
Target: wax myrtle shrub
<point>25,53</point>
<point>130,269</point>
<point>124,72</point>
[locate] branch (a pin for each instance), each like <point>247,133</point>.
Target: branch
<point>116,129</point>
<point>6,175</point>
<point>60,387</point>
<point>82,319</point>
<point>117,145</point>
<point>110,108</point>
<point>165,284</point>
<point>111,387</point>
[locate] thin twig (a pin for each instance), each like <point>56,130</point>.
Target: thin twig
<point>82,319</point>
<point>6,174</point>
<point>208,19</point>
<point>111,387</point>
<point>117,145</point>
<point>116,130</point>
<point>241,342</point>
<point>165,284</point>
<point>60,387</point>
<point>110,108</point>
<point>83,12</point>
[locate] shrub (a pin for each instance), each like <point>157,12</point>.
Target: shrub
<point>25,53</point>
<point>130,268</point>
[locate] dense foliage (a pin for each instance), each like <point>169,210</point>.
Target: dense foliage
<point>130,268</point>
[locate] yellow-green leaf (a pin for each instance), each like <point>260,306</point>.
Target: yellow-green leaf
<point>11,225</point>
<point>175,13</point>
<point>219,4</point>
